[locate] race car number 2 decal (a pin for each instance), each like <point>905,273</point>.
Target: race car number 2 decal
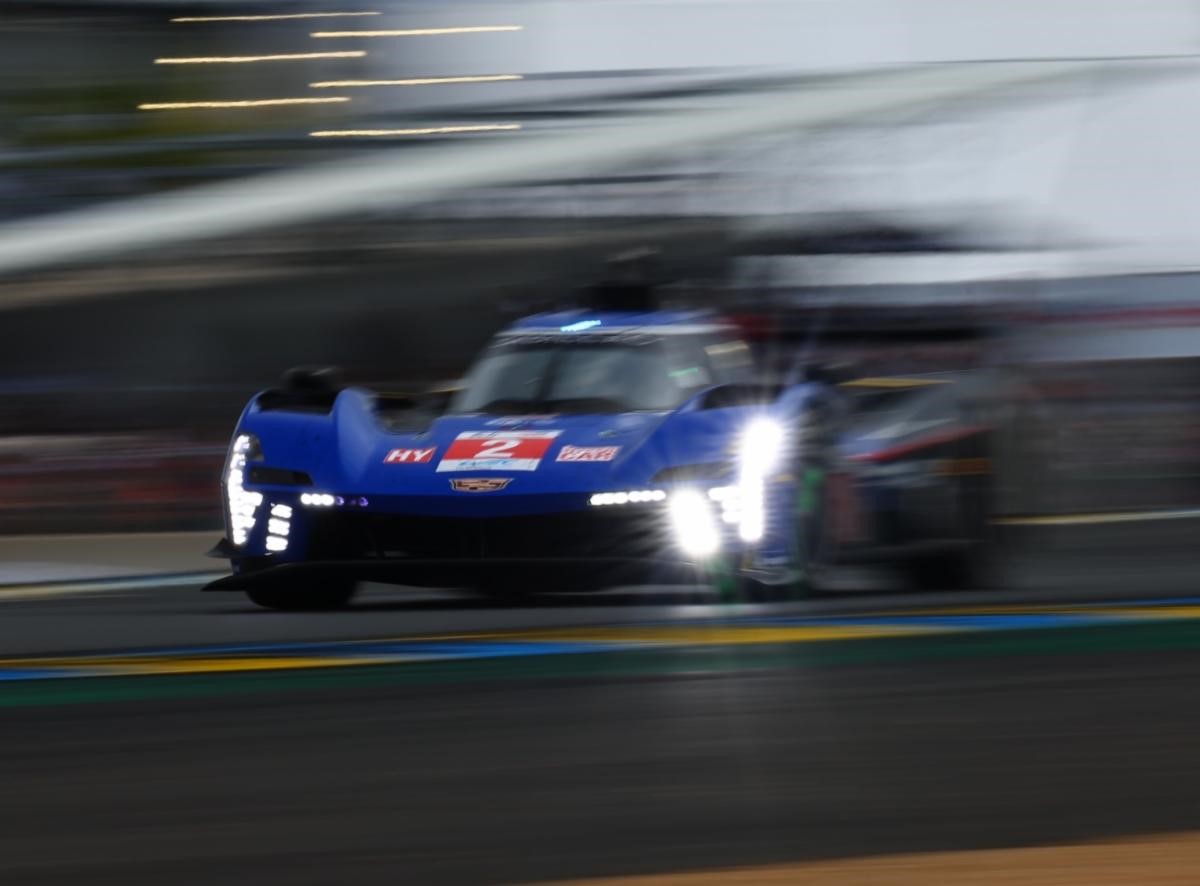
<point>497,451</point>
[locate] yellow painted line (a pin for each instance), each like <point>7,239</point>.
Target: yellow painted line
<point>148,665</point>
<point>418,32</point>
<point>1099,518</point>
<point>1168,859</point>
<point>415,81</point>
<point>268,18</point>
<point>248,103</point>
<point>1148,611</point>
<point>604,637</point>
<point>221,664</point>
<point>245,59</point>
<point>431,130</point>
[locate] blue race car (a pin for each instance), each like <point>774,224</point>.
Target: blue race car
<point>584,450</point>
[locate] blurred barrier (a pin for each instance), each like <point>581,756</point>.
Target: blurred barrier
<point>106,483</point>
<point>1118,436</point>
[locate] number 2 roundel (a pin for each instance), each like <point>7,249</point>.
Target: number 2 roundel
<point>497,451</point>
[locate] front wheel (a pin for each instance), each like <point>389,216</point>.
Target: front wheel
<point>304,597</point>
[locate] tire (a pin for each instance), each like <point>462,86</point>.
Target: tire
<point>304,597</point>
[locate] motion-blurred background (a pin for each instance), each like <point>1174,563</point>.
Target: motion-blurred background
<point>198,195</point>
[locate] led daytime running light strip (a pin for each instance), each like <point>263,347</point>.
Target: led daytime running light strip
<point>636,496</point>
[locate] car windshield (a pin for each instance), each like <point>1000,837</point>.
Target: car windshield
<point>588,377</point>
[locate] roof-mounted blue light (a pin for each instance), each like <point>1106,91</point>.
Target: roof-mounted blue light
<point>580,326</point>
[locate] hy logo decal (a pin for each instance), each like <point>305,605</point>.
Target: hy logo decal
<point>409,456</point>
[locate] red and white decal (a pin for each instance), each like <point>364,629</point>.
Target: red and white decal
<point>588,453</point>
<point>409,456</point>
<point>497,451</point>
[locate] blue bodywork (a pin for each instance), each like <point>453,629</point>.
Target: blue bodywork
<point>361,470</point>
<point>526,477</point>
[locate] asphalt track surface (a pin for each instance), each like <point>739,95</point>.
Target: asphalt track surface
<point>709,752</point>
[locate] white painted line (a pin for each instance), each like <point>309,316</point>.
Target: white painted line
<point>1095,519</point>
<point>15,593</point>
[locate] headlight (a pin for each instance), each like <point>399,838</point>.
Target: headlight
<point>242,505</point>
<point>632,497</point>
<point>761,446</point>
<point>692,519</point>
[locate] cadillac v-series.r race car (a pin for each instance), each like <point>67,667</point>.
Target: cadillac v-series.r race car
<point>590,449</point>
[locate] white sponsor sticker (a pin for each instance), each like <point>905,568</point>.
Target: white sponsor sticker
<point>588,453</point>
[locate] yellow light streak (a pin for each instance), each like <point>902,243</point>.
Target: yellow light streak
<point>249,103</point>
<point>242,59</point>
<point>417,81</point>
<point>420,32</point>
<point>270,18</point>
<point>431,130</point>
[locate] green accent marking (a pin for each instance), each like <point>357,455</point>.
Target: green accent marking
<point>813,478</point>
<point>724,579</point>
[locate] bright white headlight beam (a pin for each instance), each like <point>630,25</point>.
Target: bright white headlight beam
<point>243,504</point>
<point>692,519</point>
<point>761,445</point>
<point>636,496</point>
<point>761,448</point>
